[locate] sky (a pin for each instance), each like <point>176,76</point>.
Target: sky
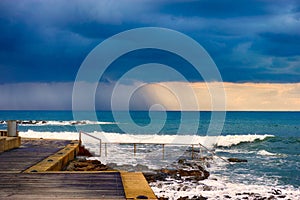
<point>254,43</point>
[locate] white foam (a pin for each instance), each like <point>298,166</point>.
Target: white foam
<point>218,189</point>
<point>223,141</point>
<point>230,140</point>
<point>266,153</point>
<point>50,135</point>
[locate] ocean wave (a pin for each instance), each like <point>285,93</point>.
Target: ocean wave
<point>50,135</point>
<point>266,153</point>
<point>209,141</point>
<point>57,123</point>
<point>232,140</point>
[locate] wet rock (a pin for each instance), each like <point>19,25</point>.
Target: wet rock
<point>237,160</point>
<point>276,192</point>
<point>163,198</point>
<point>281,196</point>
<point>84,152</point>
<point>183,198</point>
<point>181,161</point>
<point>199,198</point>
<point>153,177</point>
<point>86,165</point>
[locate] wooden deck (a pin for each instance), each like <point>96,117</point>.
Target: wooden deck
<point>61,186</point>
<point>28,154</point>
<point>15,184</point>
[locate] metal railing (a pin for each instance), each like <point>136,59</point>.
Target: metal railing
<point>87,134</point>
<point>163,145</point>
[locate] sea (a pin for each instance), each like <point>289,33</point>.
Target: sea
<point>145,141</point>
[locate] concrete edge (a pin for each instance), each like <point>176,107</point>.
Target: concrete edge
<point>8,143</point>
<point>136,186</point>
<point>57,161</point>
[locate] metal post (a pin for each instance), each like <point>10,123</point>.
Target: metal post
<point>80,138</point>
<point>134,148</point>
<point>163,151</point>
<point>192,152</point>
<point>200,151</point>
<point>100,150</point>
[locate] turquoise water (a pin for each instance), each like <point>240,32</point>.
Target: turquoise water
<point>276,159</point>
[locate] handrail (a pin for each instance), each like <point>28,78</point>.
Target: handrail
<point>213,153</point>
<point>149,143</point>
<point>100,141</point>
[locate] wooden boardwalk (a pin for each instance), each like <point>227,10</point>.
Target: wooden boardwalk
<point>61,186</point>
<point>28,154</point>
<point>15,184</point>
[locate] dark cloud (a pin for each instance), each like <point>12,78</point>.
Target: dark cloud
<point>278,44</point>
<point>218,9</point>
<point>45,41</point>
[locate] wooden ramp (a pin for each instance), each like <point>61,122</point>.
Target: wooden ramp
<point>61,186</point>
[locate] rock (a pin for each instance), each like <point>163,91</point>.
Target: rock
<point>201,198</point>
<point>281,196</point>
<point>181,161</point>
<point>153,177</point>
<point>183,198</point>
<point>86,165</point>
<point>84,152</point>
<point>237,160</point>
<point>276,192</point>
<point>163,198</point>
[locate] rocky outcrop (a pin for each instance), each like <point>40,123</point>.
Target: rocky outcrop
<point>187,170</point>
<point>237,160</point>
<point>86,165</point>
<point>84,152</point>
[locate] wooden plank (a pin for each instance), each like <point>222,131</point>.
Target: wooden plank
<point>58,185</point>
<point>29,153</point>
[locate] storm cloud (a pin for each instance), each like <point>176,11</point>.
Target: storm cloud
<point>254,43</point>
<point>46,41</point>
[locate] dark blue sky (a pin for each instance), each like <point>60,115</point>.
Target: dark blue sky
<point>249,40</point>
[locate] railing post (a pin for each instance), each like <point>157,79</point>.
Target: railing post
<point>163,151</point>
<point>100,151</point>
<point>80,138</point>
<point>134,149</point>
<point>192,152</point>
<point>200,151</point>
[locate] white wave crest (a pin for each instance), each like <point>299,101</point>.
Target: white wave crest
<point>223,141</point>
<point>50,135</point>
<point>266,153</point>
<point>231,140</point>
